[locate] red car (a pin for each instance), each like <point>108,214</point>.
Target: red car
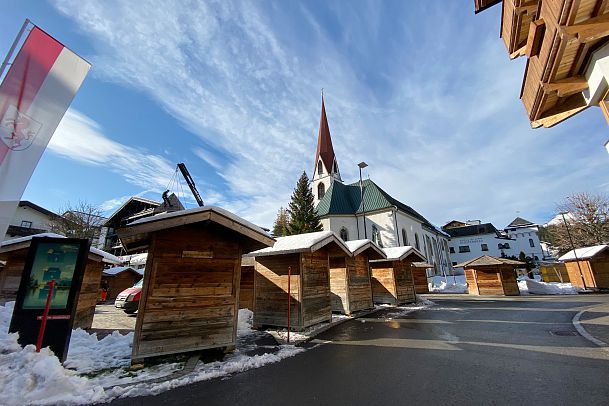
<point>129,299</point>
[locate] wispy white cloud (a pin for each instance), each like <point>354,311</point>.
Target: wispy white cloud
<point>80,138</point>
<point>433,108</point>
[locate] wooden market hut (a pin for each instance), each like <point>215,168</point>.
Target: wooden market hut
<point>308,255</point>
<point>594,265</point>
<point>246,290</point>
<point>14,252</point>
<point>119,278</point>
<point>419,276</point>
<point>190,293</point>
<point>350,284</point>
<point>487,275</point>
<point>554,272</point>
<point>392,280</point>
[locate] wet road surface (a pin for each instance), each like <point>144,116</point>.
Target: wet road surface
<point>463,351</point>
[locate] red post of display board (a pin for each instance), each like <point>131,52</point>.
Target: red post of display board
<point>289,299</point>
<point>45,316</point>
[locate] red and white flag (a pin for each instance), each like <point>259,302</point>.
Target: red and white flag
<point>35,94</point>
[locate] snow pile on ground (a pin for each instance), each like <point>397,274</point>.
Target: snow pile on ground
<point>232,364</point>
<point>29,377</point>
<point>245,320</point>
<point>281,334</point>
<point>532,287</point>
<point>401,311</point>
<point>448,284</point>
<point>88,354</point>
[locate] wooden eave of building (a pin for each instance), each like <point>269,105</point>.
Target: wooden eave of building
<point>481,5</point>
<point>136,236</point>
<point>517,16</point>
<point>553,79</point>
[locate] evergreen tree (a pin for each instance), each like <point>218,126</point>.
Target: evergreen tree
<point>282,223</point>
<point>303,217</point>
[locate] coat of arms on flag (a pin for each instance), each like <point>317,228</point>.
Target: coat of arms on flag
<point>17,130</point>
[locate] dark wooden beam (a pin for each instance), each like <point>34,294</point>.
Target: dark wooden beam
<point>589,30</point>
<point>566,87</point>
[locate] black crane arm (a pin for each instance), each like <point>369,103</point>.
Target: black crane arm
<point>191,183</point>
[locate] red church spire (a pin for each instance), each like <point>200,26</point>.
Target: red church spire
<point>325,151</point>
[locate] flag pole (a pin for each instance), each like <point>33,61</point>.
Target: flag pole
<point>10,51</point>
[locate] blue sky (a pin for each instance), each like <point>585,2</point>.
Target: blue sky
<point>424,92</point>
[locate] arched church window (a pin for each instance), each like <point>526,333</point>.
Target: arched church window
<point>320,168</point>
<point>321,190</point>
<point>416,241</point>
<point>344,234</point>
<point>404,237</point>
<point>376,236</point>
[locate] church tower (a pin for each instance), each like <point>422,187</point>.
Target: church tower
<point>326,168</point>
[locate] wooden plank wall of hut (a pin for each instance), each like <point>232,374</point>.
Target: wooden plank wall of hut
<point>339,286</point>
<point>554,272</point>
<point>89,292</point>
<point>360,290</point>
<point>190,293</point>
<point>489,281</point>
<point>601,272</point>
<point>271,291</point>
<point>404,282</point>
<point>472,285</point>
<point>509,281</point>
<point>575,277</point>
<point>420,280</point>
<point>246,290</point>
<point>316,297</point>
<point>383,283</point>
<point>10,275</point>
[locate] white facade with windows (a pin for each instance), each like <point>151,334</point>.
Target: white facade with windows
<point>29,219</point>
<point>474,240</point>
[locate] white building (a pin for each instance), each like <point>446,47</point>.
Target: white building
<point>355,211</point>
<point>29,219</point>
<point>472,239</point>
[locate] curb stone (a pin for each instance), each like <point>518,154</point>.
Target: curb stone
<point>584,333</point>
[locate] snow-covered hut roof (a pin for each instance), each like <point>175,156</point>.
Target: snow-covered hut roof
<point>309,242</point>
<point>358,246</point>
<point>487,260</point>
<point>247,261</point>
<point>115,270</point>
<point>422,265</point>
<point>136,235</point>
<point>24,242</point>
<point>401,253</point>
<point>583,253</point>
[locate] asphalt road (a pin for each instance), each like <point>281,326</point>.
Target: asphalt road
<point>463,351</point>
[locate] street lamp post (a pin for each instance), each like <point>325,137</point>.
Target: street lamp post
<point>361,191</point>
<point>581,274</point>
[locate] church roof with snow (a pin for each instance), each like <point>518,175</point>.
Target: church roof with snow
<point>346,199</point>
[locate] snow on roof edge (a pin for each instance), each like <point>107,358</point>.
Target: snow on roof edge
<point>107,257</point>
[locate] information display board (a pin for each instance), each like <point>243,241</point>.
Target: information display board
<point>63,261</point>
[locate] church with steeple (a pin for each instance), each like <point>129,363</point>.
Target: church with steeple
<point>355,211</point>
